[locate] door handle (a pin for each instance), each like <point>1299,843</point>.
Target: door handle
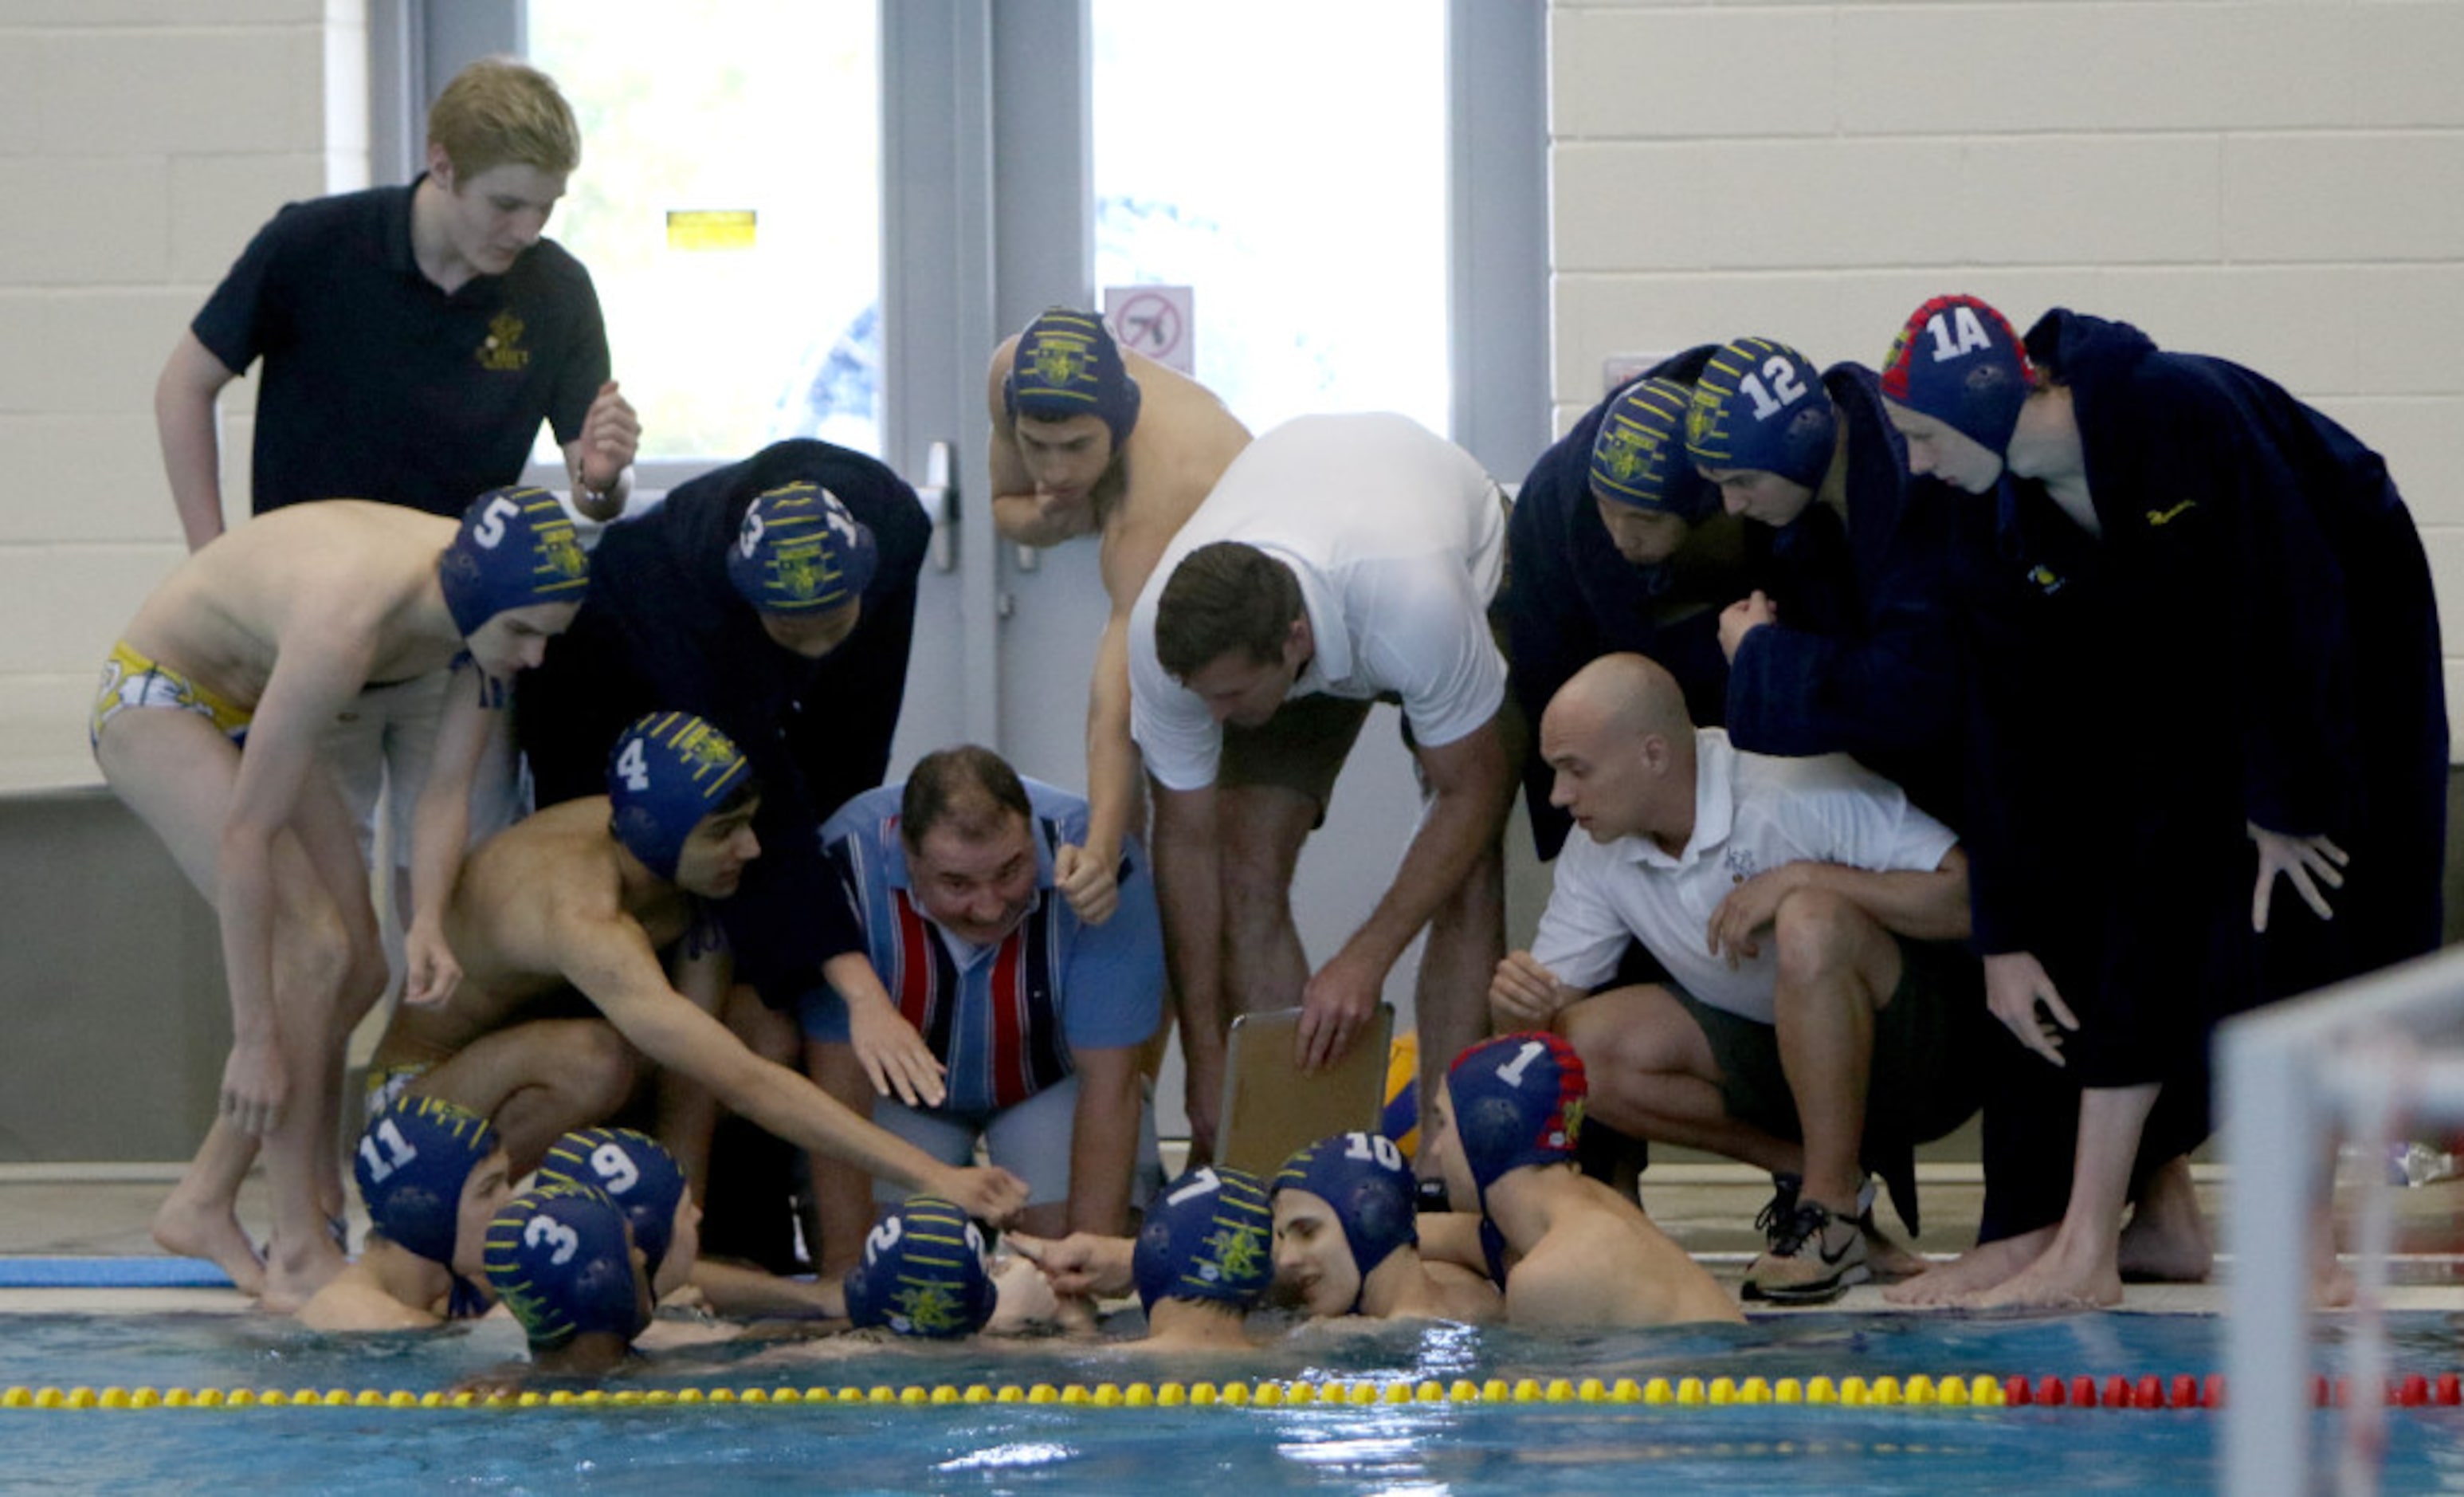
<point>939,494</point>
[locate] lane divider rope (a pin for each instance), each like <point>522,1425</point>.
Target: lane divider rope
<point>2183,1391</point>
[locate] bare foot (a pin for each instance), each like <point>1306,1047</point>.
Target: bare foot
<point>192,1229</point>
<point>2064,1277</point>
<point>292,1276</point>
<point>2167,1241</point>
<point>1980,1267</point>
<point>2331,1285</point>
<point>1889,1260</point>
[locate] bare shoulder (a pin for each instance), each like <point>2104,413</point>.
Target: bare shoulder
<point>1185,439</point>
<point>355,1300</point>
<point>996,374</point>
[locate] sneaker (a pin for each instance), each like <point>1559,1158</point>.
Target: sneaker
<point>1814,1256</point>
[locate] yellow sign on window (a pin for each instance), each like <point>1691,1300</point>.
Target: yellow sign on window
<point>710,228</point>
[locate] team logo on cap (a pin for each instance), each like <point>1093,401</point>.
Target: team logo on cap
<point>1059,360</point>
<point>1618,453</point>
<point>1239,1253</point>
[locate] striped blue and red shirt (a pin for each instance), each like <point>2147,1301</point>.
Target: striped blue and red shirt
<point>1004,1019</point>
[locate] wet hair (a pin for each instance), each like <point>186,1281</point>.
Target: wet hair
<point>501,110</point>
<point>970,789</point>
<point>1224,598</point>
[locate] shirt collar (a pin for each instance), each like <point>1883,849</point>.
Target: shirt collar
<point>1329,642</point>
<point>1715,807</point>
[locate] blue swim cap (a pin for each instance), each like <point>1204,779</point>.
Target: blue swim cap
<point>516,547</point>
<point>801,551</point>
<point>1208,1237</point>
<point>1518,1100</point>
<point>414,1158</point>
<point>1639,458</point>
<point>666,772</point>
<point>559,1259</point>
<point>923,1273</point>
<point>1363,1178</point>
<point>1067,365</point>
<point>1958,361</point>
<point>635,1170</point>
<point>1758,405</point>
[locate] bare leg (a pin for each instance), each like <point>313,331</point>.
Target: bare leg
<point>1466,941</point>
<point>2167,1240</point>
<point>1263,827</point>
<point>2081,1269</point>
<point>538,1082</point>
<point>842,1193</point>
<point>1652,1076</point>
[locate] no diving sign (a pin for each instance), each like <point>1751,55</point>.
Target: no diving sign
<point>1157,321</point>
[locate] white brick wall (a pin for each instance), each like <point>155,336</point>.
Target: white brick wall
<point>2281,183</point>
<point>141,141</point>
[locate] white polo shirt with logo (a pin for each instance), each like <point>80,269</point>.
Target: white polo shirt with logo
<point>1753,812</point>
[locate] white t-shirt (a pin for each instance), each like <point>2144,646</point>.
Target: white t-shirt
<point>1398,537</point>
<point>1751,813</point>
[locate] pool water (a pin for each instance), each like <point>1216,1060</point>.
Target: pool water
<point>1520,1449</point>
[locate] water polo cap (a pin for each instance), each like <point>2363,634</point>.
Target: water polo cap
<point>558,1258</point>
<point>665,773</point>
<point>1208,1238</point>
<point>1518,1100</point>
<point>923,1273</point>
<point>1363,1180</point>
<point>1759,406</point>
<point>635,1170</point>
<point>1639,458</point>
<point>1067,365</point>
<point>516,547</point>
<point>414,1158</point>
<point>1958,361</point>
<point>799,550</point>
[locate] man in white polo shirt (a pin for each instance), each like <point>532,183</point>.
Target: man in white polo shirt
<point>1339,560</point>
<point>1808,917</point>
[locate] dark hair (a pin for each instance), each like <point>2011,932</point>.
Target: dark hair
<point>970,788</point>
<point>1222,598</point>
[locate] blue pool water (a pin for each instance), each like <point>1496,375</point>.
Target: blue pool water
<point>1523,1450</point>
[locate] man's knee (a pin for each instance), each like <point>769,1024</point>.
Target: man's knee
<point>1631,1033</point>
<point>1822,937</point>
<point>598,1067</point>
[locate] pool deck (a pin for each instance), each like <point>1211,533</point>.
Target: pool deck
<point>102,1212</point>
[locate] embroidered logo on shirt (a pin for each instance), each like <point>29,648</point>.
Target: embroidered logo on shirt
<point>1741,863</point>
<point>2167,517</point>
<point>2044,579</point>
<point>503,352</point>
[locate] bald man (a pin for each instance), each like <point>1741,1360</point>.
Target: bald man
<point>1817,1012</point>
<point>1090,439</point>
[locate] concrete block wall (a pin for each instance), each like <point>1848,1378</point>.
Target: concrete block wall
<point>141,141</point>
<point>2279,184</point>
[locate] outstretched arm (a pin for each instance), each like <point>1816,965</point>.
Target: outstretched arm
<point>607,955</point>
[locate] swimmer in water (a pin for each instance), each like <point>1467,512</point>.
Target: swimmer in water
<point>1348,1237</point>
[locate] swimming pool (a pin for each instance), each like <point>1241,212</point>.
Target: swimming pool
<point>1521,1449</point>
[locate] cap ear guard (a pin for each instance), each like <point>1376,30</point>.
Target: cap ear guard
<point>923,1273</point>
<point>1518,1101</point>
<point>1209,1237</point>
<point>413,1160</point>
<point>1959,362</point>
<point>1760,406</point>
<point>517,547</point>
<point>635,1170</point>
<point>665,773</point>
<point>560,1257</point>
<point>1067,365</point>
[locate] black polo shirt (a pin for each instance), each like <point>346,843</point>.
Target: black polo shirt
<point>377,385</point>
